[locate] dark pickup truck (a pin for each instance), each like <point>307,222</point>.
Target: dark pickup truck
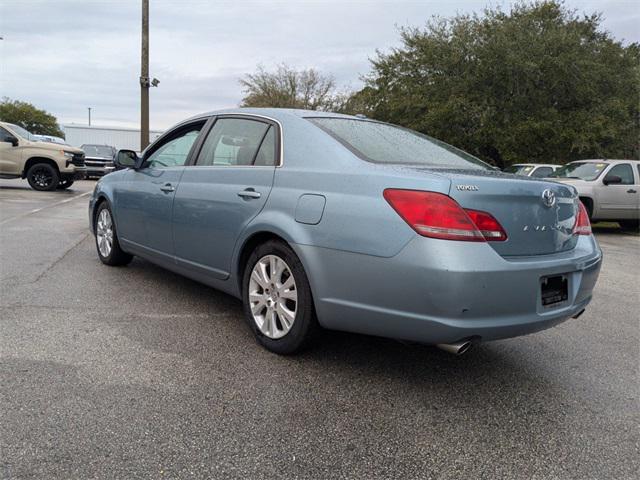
<point>98,159</point>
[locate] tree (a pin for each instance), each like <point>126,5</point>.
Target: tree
<point>538,83</point>
<point>289,88</point>
<point>29,117</point>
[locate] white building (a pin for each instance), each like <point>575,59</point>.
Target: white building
<point>117,137</point>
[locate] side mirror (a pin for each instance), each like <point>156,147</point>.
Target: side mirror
<point>12,140</point>
<point>125,159</point>
<point>612,180</point>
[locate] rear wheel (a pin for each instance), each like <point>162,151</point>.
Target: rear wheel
<point>64,183</point>
<point>43,177</point>
<point>107,243</point>
<point>631,225</point>
<point>277,299</point>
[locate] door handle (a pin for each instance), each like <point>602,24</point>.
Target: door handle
<point>167,187</point>
<point>631,190</point>
<point>249,193</point>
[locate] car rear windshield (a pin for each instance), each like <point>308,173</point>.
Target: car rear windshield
<point>98,151</point>
<point>583,170</point>
<point>384,143</point>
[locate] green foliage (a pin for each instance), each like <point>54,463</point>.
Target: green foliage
<point>536,84</point>
<point>29,117</point>
<point>289,88</point>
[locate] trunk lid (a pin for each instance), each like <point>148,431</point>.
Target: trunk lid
<point>537,215</point>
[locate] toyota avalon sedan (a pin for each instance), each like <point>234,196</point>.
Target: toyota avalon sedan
<point>325,220</point>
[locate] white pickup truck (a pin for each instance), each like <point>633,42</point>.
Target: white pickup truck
<point>609,189</point>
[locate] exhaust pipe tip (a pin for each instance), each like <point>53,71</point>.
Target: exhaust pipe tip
<point>458,348</point>
<point>579,313</point>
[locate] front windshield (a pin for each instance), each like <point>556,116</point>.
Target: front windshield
<point>98,151</point>
<point>519,169</point>
<point>384,143</point>
<point>22,132</point>
<point>588,171</point>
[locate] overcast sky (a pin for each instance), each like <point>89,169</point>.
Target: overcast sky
<point>65,56</point>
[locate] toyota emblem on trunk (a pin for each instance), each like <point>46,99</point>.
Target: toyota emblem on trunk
<point>548,198</point>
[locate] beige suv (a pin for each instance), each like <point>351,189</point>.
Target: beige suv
<point>45,165</point>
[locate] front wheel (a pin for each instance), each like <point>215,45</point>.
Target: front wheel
<point>107,244</point>
<point>277,299</point>
<point>43,177</point>
<point>64,183</point>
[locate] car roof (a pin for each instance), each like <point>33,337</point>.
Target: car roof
<point>605,160</point>
<point>276,113</point>
<point>535,165</point>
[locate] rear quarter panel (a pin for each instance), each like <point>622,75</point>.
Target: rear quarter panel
<point>356,217</point>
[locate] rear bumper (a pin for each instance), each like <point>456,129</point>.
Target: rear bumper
<point>438,291</point>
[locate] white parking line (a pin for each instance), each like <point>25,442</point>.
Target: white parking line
<point>31,212</point>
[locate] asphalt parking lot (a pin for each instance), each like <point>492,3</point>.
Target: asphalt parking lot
<point>138,373</point>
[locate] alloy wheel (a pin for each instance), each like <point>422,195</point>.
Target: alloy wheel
<point>104,233</point>
<point>273,297</point>
<point>42,177</point>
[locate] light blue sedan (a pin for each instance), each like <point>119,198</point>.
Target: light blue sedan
<point>326,220</point>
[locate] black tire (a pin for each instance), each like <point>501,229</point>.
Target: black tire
<point>630,225</point>
<point>43,177</point>
<point>64,183</point>
<point>115,257</point>
<point>304,327</point>
<point>588,205</point>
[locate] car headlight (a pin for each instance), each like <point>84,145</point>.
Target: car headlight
<point>67,154</point>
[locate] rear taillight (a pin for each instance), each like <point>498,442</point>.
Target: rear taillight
<point>437,215</point>
<point>583,225</point>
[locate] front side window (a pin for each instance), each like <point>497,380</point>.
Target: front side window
<point>624,171</point>
<point>23,133</point>
<point>174,152</point>
<point>588,171</point>
<point>5,136</point>
<point>385,143</point>
<point>235,142</point>
<point>542,172</point>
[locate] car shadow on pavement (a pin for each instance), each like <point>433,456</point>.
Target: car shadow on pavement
<point>611,228</point>
<point>66,191</point>
<point>227,333</point>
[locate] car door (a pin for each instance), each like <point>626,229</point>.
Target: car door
<point>223,190</point>
<point>618,200</point>
<point>10,155</point>
<point>145,197</point>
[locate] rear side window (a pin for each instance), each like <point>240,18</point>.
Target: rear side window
<point>542,172</point>
<point>384,143</point>
<point>622,170</point>
<point>519,169</point>
<point>266,155</point>
<point>234,142</point>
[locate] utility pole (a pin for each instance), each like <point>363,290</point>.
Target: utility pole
<point>144,78</point>
<point>89,108</point>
